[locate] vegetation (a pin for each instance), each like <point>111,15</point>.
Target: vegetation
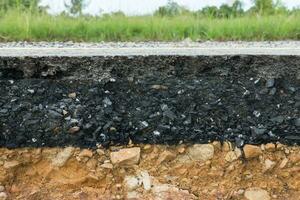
<point>75,7</point>
<point>266,20</point>
<point>20,5</point>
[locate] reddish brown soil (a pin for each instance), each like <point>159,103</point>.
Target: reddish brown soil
<point>35,174</point>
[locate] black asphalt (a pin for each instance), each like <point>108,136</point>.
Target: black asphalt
<point>148,99</point>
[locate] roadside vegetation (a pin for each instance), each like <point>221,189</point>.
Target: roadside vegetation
<point>24,20</point>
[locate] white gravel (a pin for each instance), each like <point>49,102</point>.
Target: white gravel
<point>149,48</point>
<point>186,43</point>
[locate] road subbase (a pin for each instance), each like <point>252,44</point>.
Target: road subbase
<point>91,101</point>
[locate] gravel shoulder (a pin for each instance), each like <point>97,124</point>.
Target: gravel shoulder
<point>207,44</point>
<point>16,49</point>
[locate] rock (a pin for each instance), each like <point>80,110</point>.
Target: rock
<point>278,119</point>
<point>107,102</point>
<point>127,156</point>
<point>181,150</point>
<point>86,153</point>
<point>72,95</point>
<point>230,168</point>
<point>286,151</point>
<point>283,163</point>
<point>146,180</point>
<point>131,183</point>
<point>143,125</point>
<point>239,142</point>
<point>107,166</point>
<point>201,152</point>
<point>295,157</point>
<point>270,147</point>
<point>53,114</point>
<point>217,145</point>
<point>230,156</point>
<point>233,155</point>
<point>74,129</point>
<point>268,165</point>
<point>11,164</point>
<point>273,91</point>
<point>165,156</point>
<point>257,194</point>
<point>256,113</point>
<point>159,87</point>
<point>3,196</point>
<point>293,138</point>
<point>270,82</point>
<point>62,157</point>
<point>147,147</point>
<point>279,146</point>
<point>92,164</point>
<point>100,152</point>
<point>297,122</point>
<point>31,91</point>
<point>258,131</point>
<point>251,151</point>
<point>165,191</point>
<point>227,146</point>
<point>133,195</point>
<point>298,76</point>
<point>238,152</point>
<point>3,111</point>
<point>240,192</point>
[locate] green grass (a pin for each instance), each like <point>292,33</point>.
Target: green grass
<point>16,26</point>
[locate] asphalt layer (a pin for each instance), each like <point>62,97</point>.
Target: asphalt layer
<point>109,100</point>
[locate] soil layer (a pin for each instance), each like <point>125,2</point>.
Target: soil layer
<point>208,171</point>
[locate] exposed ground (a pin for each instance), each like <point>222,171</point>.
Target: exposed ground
<point>208,171</point>
<point>55,98</point>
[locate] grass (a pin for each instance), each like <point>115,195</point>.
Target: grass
<point>25,26</point>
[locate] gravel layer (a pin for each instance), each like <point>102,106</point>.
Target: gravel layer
<point>185,48</point>
<point>186,43</point>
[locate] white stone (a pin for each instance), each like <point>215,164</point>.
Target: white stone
<point>133,195</point>
<point>201,152</point>
<point>257,194</point>
<point>131,183</point>
<point>62,157</point>
<point>11,164</point>
<point>269,165</point>
<point>3,196</point>
<point>127,156</point>
<point>146,180</point>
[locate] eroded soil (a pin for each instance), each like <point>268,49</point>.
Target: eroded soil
<point>209,171</point>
